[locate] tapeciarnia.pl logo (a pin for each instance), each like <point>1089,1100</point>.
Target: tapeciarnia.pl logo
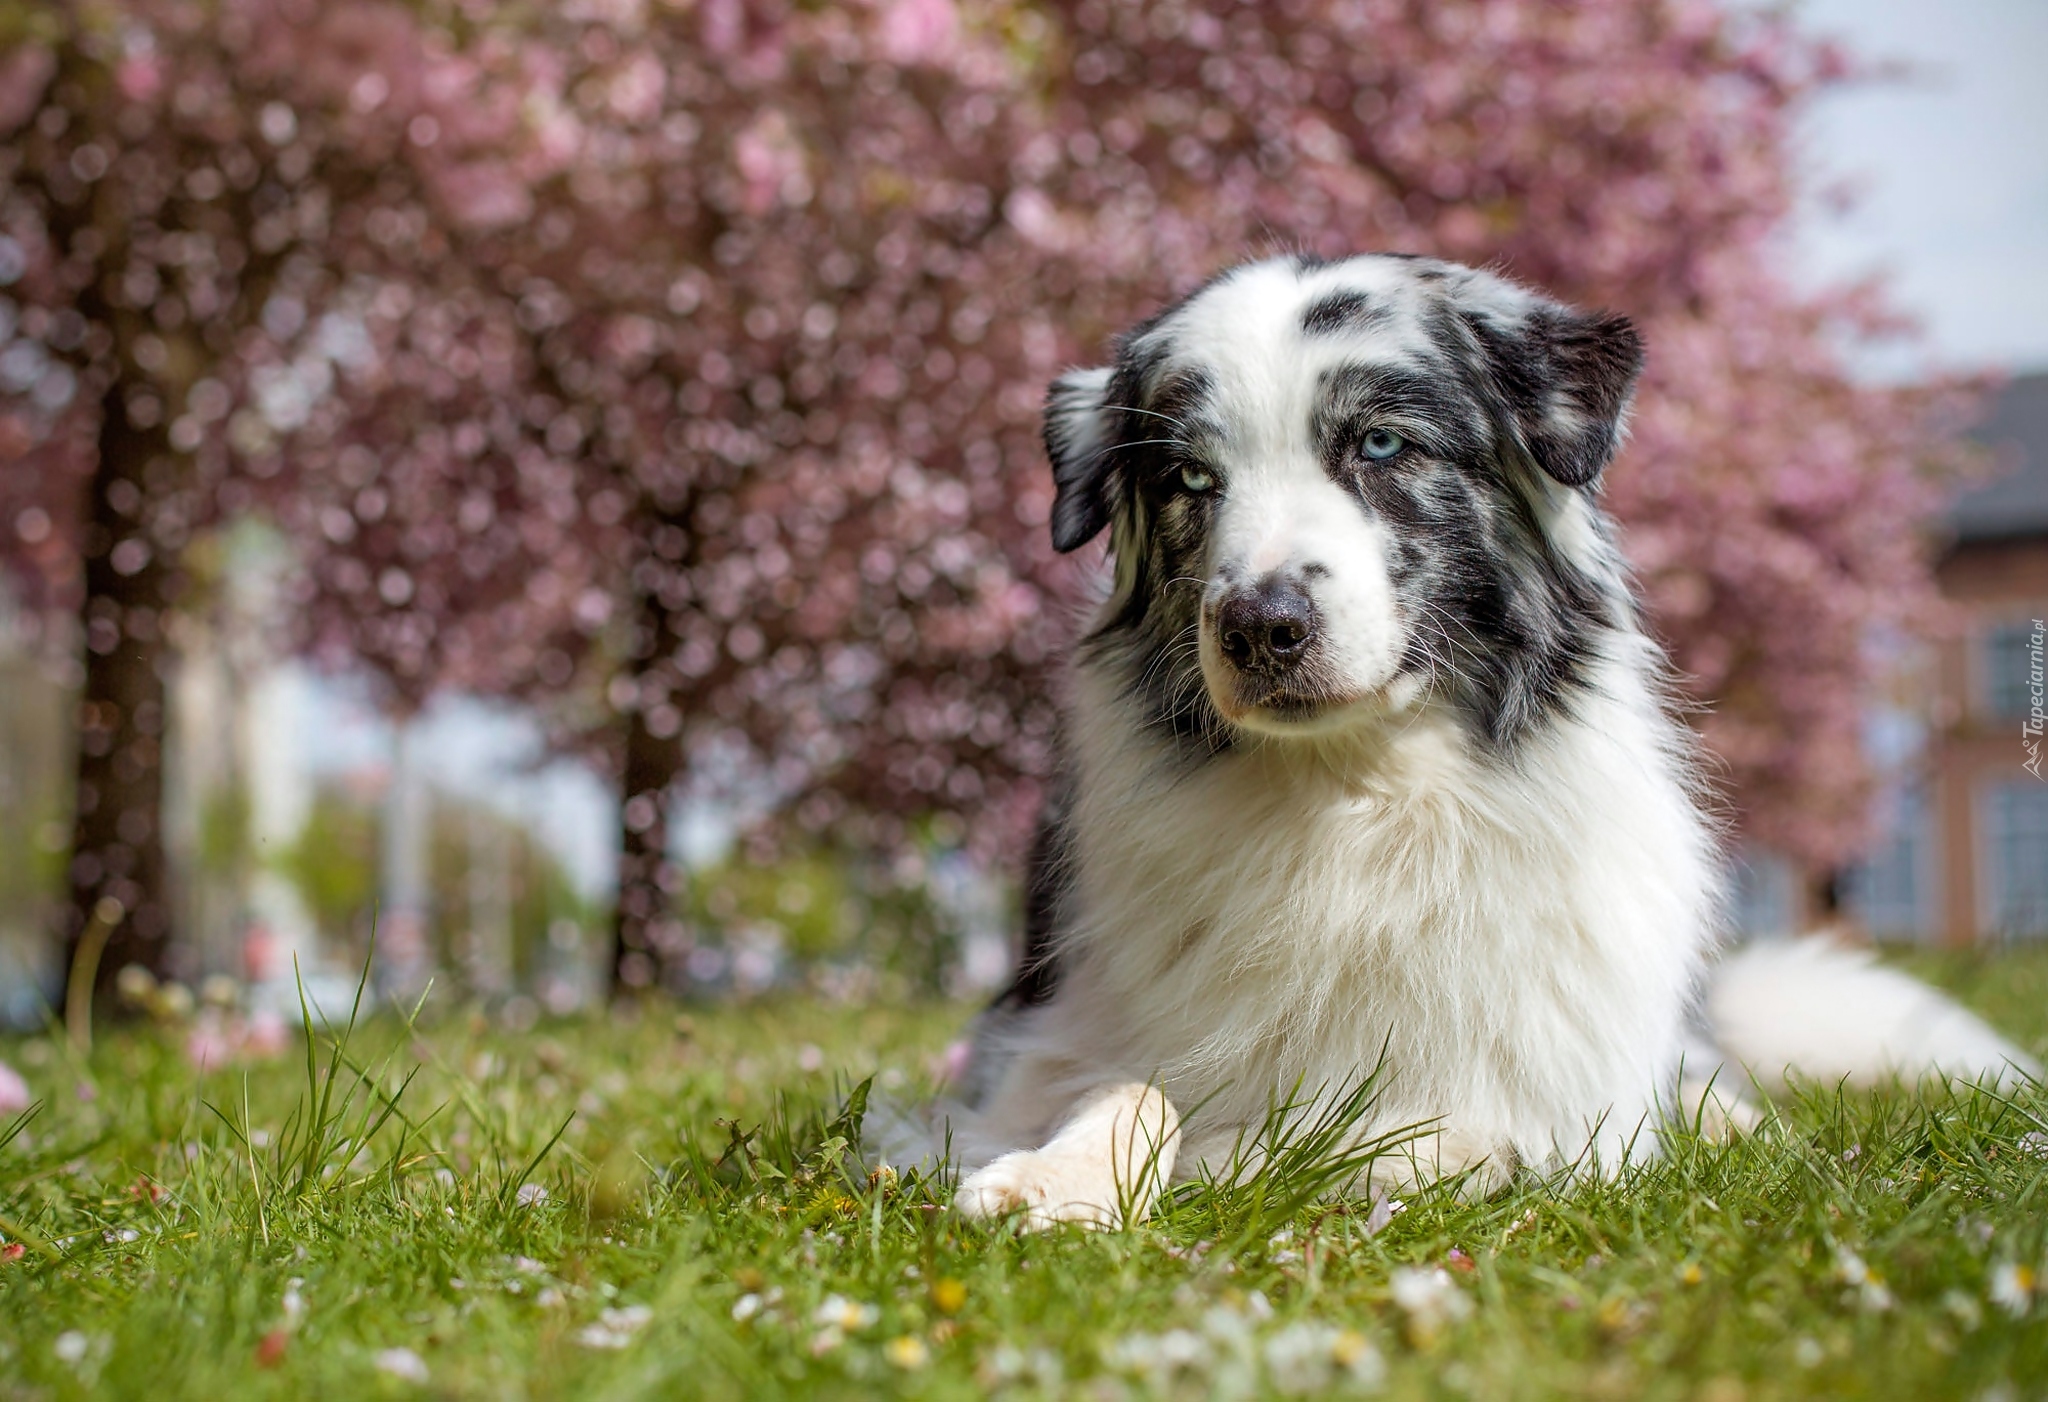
<point>2030,728</point>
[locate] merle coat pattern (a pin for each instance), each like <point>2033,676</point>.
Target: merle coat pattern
<point>1366,761</point>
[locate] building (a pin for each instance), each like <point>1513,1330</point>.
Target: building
<point>1965,858</point>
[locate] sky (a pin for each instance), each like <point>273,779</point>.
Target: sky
<point>1951,163</point>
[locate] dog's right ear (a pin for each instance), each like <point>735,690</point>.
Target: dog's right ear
<point>1077,436</point>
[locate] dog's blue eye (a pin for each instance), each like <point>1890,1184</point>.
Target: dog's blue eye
<point>1196,479</point>
<point>1383,443</point>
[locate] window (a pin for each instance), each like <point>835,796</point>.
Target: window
<point>1891,890</point>
<point>1764,904</point>
<point>2011,653</point>
<point>2016,844</point>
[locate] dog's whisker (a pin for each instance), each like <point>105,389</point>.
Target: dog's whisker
<point>1108,448</point>
<point>1180,424</point>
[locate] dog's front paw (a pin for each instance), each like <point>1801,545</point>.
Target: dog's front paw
<point>1040,1189</point>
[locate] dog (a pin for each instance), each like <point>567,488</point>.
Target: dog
<point>1369,767</point>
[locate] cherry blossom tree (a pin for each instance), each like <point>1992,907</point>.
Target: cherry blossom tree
<point>707,428</point>
<point>142,224</point>
<point>167,228</point>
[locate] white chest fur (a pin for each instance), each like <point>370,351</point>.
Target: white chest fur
<point>1519,939</point>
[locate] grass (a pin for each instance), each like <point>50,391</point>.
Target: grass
<point>659,1205</point>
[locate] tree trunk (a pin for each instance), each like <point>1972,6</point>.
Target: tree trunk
<point>646,931</point>
<point>117,854</point>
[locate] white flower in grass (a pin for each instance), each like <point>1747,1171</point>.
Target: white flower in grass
<point>531,1195</point>
<point>1159,1358</point>
<point>1430,1298</point>
<point>746,1307</point>
<point>1006,1363</point>
<point>1228,1329</point>
<point>1298,1358</point>
<point>615,1328</point>
<point>907,1352</point>
<point>2012,1288</point>
<point>1352,1352</point>
<point>403,1364</point>
<point>1871,1291</point>
<point>2034,1142</point>
<point>1965,1308</point>
<point>1308,1358</point>
<point>838,1312</point>
<point>70,1347</point>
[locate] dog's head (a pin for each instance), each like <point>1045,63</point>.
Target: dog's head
<point>1341,490</point>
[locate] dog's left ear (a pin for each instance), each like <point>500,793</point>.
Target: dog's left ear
<point>1076,435</point>
<point>1565,378</point>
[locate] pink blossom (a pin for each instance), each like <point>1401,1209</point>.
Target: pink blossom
<point>25,71</point>
<point>140,77</point>
<point>219,1039</point>
<point>14,1091</point>
<point>951,1064</point>
<point>919,31</point>
<point>209,1045</point>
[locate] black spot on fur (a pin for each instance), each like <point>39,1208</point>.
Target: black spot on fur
<point>1500,623</point>
<point>1080,464</point>
<point>1159,422</point>
<point>1341,311</point>
<point>1565,378</point>
<point>1429,409</point>
<point>1048,880</point>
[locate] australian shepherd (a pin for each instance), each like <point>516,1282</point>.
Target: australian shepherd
<point>1368,767</point>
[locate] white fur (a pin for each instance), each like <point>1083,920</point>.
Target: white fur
<point>1522,948</point>
<point>1820,1012</point>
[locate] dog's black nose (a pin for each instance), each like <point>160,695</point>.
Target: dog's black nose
<point>1268,627</point>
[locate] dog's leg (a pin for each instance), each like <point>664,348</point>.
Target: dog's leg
<point>1104,1166</point>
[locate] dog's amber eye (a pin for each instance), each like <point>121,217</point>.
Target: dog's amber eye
<point>1196,478</point>
<point>1383,443</point>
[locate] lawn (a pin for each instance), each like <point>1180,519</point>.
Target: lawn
<point>410,1216</point>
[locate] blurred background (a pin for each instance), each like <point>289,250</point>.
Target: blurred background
<point>559,482</point>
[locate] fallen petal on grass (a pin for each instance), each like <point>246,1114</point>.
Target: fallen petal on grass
<point>403,1364</point>
<point>270,1349</point>
<point>615,1328</point>
<point>14,1092</point>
